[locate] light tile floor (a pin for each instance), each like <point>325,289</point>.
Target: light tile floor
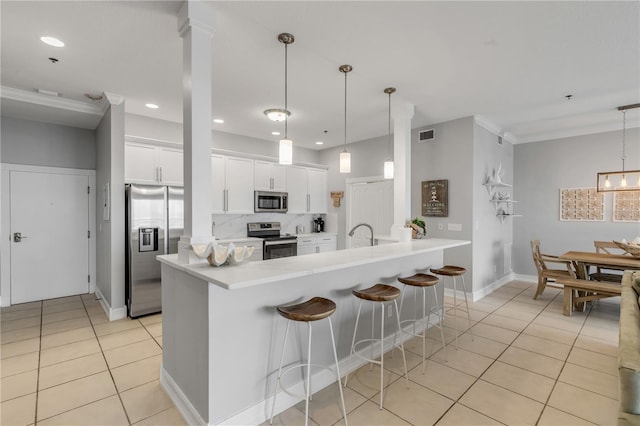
<point>63,363</point>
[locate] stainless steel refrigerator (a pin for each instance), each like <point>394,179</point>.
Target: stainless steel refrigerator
<point>154,224</point>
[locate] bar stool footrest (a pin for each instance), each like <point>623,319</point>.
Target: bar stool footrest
<point>301,365</point>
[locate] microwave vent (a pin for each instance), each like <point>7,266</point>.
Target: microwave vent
<point>426,135</point>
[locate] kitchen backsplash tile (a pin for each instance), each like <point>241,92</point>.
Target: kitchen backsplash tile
<point>235,225</point>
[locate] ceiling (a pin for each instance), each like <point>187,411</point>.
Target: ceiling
<point>509,63</point>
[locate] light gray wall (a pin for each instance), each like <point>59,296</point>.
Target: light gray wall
<point>110,241</point>
<point>542,168</point>
<point>492,240</point>
<point>367,158</point>
<point>145,127</point>
<point>448,156</point>
<point>43,144</point>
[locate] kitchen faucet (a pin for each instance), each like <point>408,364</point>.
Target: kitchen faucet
<point>359,225</point>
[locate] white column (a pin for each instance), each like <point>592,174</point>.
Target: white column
<point>402,112</point>
<point>196,27</point>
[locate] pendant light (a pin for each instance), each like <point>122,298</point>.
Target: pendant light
<point>388,164</point>
<point>345,157</point>
<point>619,180</point>
<point>286,144</point>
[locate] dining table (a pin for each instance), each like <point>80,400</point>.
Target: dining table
<point>583,259</point>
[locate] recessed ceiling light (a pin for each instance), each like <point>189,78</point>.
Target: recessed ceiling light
<point>152,106</point>
<point>275,133</point>
<point>319,143</point>
<point>52,41</point>
<point>218,120</point>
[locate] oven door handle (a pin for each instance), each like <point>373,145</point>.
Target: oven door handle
<point>280,242</point>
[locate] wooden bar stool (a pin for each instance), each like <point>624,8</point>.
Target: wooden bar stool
<point>381,294</point>
<point>453,272</point>
<point>422,281</point>
<point>313,309</point>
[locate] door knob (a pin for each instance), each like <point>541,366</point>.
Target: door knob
<point>17,237</point>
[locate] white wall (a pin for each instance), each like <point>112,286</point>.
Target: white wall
<point>492,240</point>
<point>110,233</point>
<point>542,168</point>
<point>367,158</point>
<point>145,127</point>
<point>448,156</point>
<point>43,144</point>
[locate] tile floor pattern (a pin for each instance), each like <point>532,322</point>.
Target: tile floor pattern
<point>62,362</point>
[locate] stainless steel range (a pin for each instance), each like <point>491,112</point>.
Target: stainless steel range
<point>274,244</point>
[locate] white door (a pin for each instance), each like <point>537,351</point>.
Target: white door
<point>371,203</point>
<point>51,214</point>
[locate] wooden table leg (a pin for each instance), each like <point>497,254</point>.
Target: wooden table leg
<point>567,305</point>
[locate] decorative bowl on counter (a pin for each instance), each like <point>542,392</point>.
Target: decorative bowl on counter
<point>218,254</point>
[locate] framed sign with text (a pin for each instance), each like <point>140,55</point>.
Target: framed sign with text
<point>435,198</point>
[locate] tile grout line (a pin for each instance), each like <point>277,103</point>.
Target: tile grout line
<point>562,369</point>
<point>107,364</point>
<point>457,401</point>
<point>35,414</point>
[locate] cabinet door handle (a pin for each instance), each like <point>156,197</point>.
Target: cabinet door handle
<point>160,168</point>
<point>308,202</point>
<point>226,200</point>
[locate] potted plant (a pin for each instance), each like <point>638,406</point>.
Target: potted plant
<point>419,227</point>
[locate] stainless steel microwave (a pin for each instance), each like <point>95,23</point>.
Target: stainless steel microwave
<point>267,201</point>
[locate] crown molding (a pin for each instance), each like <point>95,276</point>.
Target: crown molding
<point>109,99</point>
<point>494,128</point>
<point>50,101</point>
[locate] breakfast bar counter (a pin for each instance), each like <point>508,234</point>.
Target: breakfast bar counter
<point>222,336</point>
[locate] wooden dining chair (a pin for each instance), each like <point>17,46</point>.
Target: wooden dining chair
<point>608,247</point>
<point>546,274</point>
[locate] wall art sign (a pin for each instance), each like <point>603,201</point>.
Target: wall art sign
<point>435,198</point>
<point>626,206</point>
<point>581,204</point>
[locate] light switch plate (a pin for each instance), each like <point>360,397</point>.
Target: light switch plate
<point>454,227</point>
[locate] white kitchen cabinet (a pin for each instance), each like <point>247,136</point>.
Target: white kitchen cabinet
<point>231,185</point>
<point>307,190</point>
<point>307,245</point>
<point>317,190</point>
<point>270,176</point>
<point>327,243</point>
<point>153,164</point>
<point>320,243</point>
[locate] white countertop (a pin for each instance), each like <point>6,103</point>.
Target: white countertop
<point>248,274</point>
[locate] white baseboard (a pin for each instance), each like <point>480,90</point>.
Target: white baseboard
<point>526,278</point>
<point>112,313</point>
<point>485,291</point>
<point>180,400</point>
<point>261,412</point>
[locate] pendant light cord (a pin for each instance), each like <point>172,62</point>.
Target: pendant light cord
<point>286,110</point>
<point>345,112</point>
<point>389,130</point>
<point>624,125</point>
